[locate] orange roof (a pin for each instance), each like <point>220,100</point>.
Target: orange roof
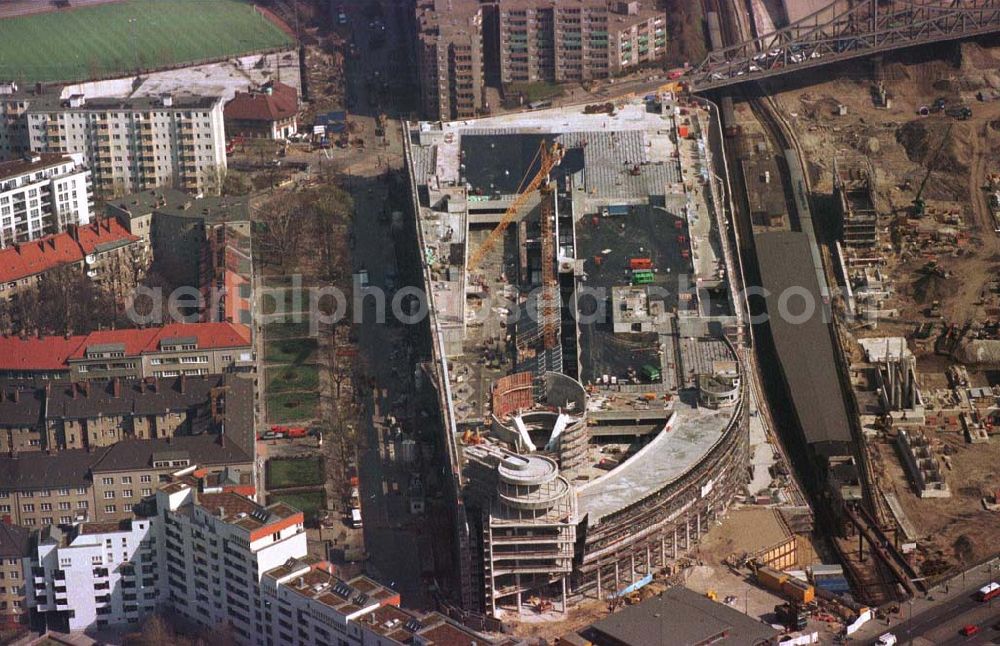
<point>33,353</point>
<point>54,352</point>
<point>29,258</point>
<point>208,335</point>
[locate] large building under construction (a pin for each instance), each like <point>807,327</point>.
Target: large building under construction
<point>587,361</point>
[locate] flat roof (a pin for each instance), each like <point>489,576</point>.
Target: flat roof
<point>679,616</point>
<point>804,344</point>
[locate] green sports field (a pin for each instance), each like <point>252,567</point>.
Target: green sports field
<point>119,38</point>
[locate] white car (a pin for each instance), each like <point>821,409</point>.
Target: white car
<point>888,639</point>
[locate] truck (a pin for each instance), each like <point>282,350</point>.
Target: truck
<point>640,263</point>
<point>792,616</point>
<point>651,373</point>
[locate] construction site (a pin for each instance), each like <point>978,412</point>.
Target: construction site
<point>898,160</point>
<point>587,345</point>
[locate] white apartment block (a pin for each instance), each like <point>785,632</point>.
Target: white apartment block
<point>219,559</point>
<point>42,194</point>
<point>129,144</point>
<point>96,574</point>
<point>216,548</point>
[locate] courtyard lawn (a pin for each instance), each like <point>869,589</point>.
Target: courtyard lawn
<point>294,472</point>
<point>292,407</point>
<point>282,379</point>
<point>296,351</point>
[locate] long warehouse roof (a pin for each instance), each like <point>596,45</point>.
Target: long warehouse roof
<point>805,347</point>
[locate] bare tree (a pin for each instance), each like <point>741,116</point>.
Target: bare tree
<point>281,230</point>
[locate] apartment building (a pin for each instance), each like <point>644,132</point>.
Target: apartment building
<point>93,414</point>
<point>15,544</point>
<point>128,144</point>
<point>218,558</point>
<point>217,547</point>
<point>198,241</point>
<point>556,42</point>
<point>93,574</point>
<point>450,58</point>
<point>43,194</point>
<point>72,486</point>
<point>171,350</point>
<point>103,250</point>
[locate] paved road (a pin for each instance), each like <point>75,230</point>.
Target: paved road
<point>390,535</point>
<point>938,617</point>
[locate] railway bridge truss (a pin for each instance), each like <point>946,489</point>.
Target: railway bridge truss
<point>843,30</point>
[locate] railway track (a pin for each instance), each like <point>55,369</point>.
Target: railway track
<point>883,580</point>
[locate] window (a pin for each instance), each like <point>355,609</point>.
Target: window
<point>46,506</point>
<point>44,493</point>
<point>109,495</point>
<point>4,509</point>
<point>64,506</point>
<point>147,492</point>
<point>81,490</point>
<point>108,481</point>
<point>127,507</point>
<point>145,478</point>
<point>65,520</point>
<point>126,479</point>
<point>27,507</point>
<point>109,509</point>
<point>64,492</point>
<point>82,504</point>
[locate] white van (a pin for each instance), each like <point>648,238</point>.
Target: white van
<point>356,521</point>
<point>888,639</point>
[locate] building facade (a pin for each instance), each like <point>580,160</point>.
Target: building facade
<point>556,42</point>
<point>94,574</point>
<point>203,242</point>
<point>15,544</point>
<point>41,195</point>
<point>128,144</point>
<point>450,59</point>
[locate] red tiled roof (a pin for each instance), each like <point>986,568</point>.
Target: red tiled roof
<point>29,258</point>
<point>32,353</point>
<point>282,103</point>
<point>208,335</point>
<point>53,352</point>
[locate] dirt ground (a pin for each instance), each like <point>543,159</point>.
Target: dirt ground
<point>956,530</point>
<point>951,255</point>
<point>902,146</point>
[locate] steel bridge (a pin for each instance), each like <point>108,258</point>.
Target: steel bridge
<point>843,30</point>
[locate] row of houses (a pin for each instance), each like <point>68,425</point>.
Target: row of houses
<point>164,351</point>
<point>201,548</point>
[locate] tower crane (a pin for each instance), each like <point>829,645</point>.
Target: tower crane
<point>550,158</point>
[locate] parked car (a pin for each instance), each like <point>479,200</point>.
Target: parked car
<point>969,630</point>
